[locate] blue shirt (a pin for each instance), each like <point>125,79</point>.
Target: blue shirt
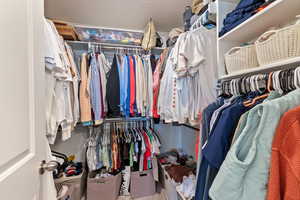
<point>207,114</point>
<point>95,88</point>
<point>215,150</point>
<point>127,88</point>
<point>124,83</point>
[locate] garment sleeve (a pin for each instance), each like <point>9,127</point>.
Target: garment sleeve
<point>193,52</point>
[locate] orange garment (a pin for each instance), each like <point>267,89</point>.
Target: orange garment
<point>284,179</point>
<point>84,95</point>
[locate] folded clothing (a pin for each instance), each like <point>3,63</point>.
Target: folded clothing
<point>244,10</point>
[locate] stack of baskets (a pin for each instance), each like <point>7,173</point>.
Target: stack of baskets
<point>271,47</point>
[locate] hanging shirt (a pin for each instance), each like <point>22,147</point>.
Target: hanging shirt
<point>248,161</point>
<point>95,90</point>
<point>144,87</point>
<point>123,70</point>
<point>215,150</point>
<point>156,82</point>
<point>166,98</point>
<point>132,85</point>
<point>104,68</point>
<point>84,93</point>
<point>199,50</point>
<point>140,86</point>
<point>149,87</point>
<point>74,87</point>
<point>284,182</point>
<point>113,86</point>
<point>127,97</point>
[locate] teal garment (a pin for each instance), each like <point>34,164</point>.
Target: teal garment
<point>244,117</point>
<point>244,173</point>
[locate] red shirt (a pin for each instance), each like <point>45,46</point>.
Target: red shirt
<point>132,85</point>
<point>147,154</point>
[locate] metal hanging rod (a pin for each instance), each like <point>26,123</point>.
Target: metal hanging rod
<point>112,45</point>
<point>131,119</point>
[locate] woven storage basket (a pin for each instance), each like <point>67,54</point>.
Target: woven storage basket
<point>241,58</point>
<point>277,45</point>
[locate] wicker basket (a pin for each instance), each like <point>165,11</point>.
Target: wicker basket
<point>241,58</point>
<point>277,45</point>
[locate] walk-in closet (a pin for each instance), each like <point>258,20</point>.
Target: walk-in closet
<point>150,100</point>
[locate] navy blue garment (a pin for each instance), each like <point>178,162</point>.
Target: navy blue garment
<point>206,117</point>
<point>204,166</point>
<point>113,88</point>
<point>219,140</point>
<point>244,10</point>
<point>246,3</point>
<point>215,151</point>
<point>199,195</point>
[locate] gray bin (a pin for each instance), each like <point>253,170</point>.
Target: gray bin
<point>104,188</point>
<point>142,184</point>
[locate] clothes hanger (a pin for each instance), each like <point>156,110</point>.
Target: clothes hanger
<point>235,88</point>
<point>248,83</point>
<point>277,79</point>
<point>274,81</point>
<point>241,85</point>
<point>257,98</point>
<point>291,80</point>
<point>133,132</point>
<point>296,78</point>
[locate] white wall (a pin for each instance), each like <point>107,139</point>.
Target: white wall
<point>188,140</point>
<point>130,14</point>
<point>179,137</point>
<point>75,145</point>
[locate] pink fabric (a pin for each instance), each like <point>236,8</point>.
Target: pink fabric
<point>156,83</point>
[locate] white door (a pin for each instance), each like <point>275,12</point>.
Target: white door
<point>22,115</point>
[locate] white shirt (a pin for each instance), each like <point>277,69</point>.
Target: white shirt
<point>200,53</point>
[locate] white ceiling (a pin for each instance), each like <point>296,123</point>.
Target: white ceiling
<point>124,14</point>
